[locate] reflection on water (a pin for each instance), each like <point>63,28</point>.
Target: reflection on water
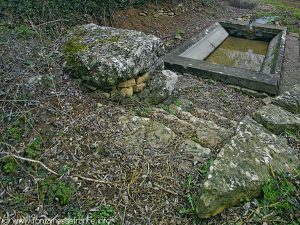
<point>241,53</point>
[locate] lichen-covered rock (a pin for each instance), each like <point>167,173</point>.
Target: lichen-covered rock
<point>105,56</point>
<point>242,166</point>
<point>276,119</point>
<point>161,86</point>
<point>180,127</point>
<point>290,100</point>
<point>208,133</point>
<point>140,131</point>
<point>194,150</point>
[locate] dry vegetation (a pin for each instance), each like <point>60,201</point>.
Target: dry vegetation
<point>62,151</point>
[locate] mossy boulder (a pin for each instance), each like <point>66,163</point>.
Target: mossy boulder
<point>105,56</point>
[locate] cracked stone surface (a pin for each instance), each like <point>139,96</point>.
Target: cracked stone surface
<point>242,166</point>
<point>289,100</point>
<point>105,56</point>
<point>139,131</point>
<point>276,119</point>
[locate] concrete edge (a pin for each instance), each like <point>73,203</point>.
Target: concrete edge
<point>280,55</point>
<point>230,75</point>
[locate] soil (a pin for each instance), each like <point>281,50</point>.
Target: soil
<point>173,23</point>
<point>81,139</point>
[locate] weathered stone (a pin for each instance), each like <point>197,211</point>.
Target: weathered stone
<point>267,100</point>
<point>208,133</point>
<point>143,79</point>
<point>139,87</point>
<point>180,127</point>
<point>127,83</point>
<point>194,150</point>
<point>159,135</point>
<point>144,94</point>
<point>161,86</point>
<point>242,167</point>
<point>106,56</point>
<point>127,92</point>
<point>290,100</point>
<point>276,119</point>
<point>250,92</point>
<point>209,137</point>
<point>142,131</point>
<point>214,116</point>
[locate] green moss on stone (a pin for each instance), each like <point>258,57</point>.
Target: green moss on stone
<point>112,39</point>
<point>74,46</point>
<point>73,65</point>
<point>70,50</point>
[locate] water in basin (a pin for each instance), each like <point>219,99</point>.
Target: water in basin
<point>240,53</point>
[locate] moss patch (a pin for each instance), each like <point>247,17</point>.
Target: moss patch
<point>74,45</point>
<point>70,49</point>
<point>112,39</point>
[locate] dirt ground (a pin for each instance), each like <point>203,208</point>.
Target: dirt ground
<point>173,23</point>
<point>82,138</point>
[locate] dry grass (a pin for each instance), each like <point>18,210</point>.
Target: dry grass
<point>245,4</point>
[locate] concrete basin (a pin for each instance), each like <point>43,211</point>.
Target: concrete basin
<point>226,50</point>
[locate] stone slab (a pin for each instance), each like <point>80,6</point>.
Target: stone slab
<point>276,119</point>
<point>204,47</point>
<point>242,167</point>
<point>270,59</point>
<point>290,100</point>
<point>290,75</point>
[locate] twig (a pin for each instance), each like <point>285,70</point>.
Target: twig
<point>47,168</point>
<point>94,180</point>
<point>261,207</point>
<point>33,161</point>
<point>166,190</point>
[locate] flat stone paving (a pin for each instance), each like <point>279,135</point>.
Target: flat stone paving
<point>290,74</point>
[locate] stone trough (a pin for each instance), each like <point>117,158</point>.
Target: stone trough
<point>223,52</point>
